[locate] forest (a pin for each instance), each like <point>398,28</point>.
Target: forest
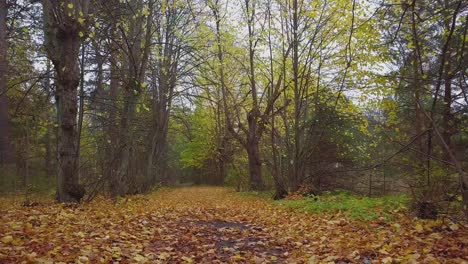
<point>233,131</point>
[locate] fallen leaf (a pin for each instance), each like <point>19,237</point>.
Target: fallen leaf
<point>7,239</point>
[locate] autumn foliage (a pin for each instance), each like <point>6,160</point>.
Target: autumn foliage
<point>217,225</point>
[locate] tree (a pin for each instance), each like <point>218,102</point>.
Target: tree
<point>65,28</point>
<point>136,43</point>
<point>426,45</point>
<point>171,64</point>
<point>6,150</point>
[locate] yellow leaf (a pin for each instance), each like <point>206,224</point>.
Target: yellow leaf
<point>387,260</point>
<point>17,242</point>
<point>28,226</point>
<point>419,228</point>
<point>83,259</point>
<point>436,236</point>
<point>70,5</point>
<point>453,227</point>
<point>7,239</point>
<point>187,259</point>
<point>16,225</point>
<point>313,260</point>
<point>237,258</point>
<point>139,258</point>
<point>32,257</point>
<point>164,255</point>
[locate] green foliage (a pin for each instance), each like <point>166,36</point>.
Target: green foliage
<point>238,175</point>
<point>202,145</point>
<point>11,182</point>
<point>364,208</point>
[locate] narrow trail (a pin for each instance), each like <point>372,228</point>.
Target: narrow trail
<point>214,225</point>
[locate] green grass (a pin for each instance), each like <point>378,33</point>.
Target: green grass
<point>360,207</point>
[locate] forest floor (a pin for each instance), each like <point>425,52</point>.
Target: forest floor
<point>216,225</point>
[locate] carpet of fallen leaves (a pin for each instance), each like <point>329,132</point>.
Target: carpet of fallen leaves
<point>216,225</point>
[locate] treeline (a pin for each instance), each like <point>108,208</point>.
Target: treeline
<point>299,96</point>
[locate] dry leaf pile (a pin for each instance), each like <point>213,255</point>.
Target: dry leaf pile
<point>216,225</point>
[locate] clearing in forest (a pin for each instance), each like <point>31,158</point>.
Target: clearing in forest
<point>216,225</point>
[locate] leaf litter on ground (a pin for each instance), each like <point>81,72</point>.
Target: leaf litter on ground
<point>217,225</point>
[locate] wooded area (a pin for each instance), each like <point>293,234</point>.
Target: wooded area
<point>299,99</point>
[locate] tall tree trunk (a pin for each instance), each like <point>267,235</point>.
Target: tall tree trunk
<point>220,54</point>
<point>280,191</point>
<point>297,163</point>
<point>419,117</point>
<point>157,163</point>
<point>26,156</point>
<point>286,165</point>
<point>447,114</point>
<point>253,134</point>
<point>98,105</point>
<point>222,139</point>
<point>81,106</point>
<point>253,155</point>
<point>138,49</point>
<point>125,178</point>
<point>113,141</point>
<point>447,117</point>
<point>166,71</point>
<point>48,158</point>
<point>115,184</point>
<point>6,150</point>
<point>63,46</point>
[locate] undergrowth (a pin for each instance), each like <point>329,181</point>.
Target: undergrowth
<point>354,206</point>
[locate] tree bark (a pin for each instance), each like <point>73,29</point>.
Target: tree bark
<point>112,131</point>
<point>280,190</point>
<point>81,106</point>
<point>112,138</point>
<point>297,163</point>
<point>62,46</point>
<point>138,49</point>
<point>447,117</point>
<point>254,135</point>
<point>253,155</point>
<point>48,157</point>
<point>166,71</point>
<point>6,149</point>
<point>227,120</point>
<point>417,88</point>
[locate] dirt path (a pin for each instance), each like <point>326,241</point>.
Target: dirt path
<point>215,225</point>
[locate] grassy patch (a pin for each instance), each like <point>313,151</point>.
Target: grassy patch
<point>10,182</point>
<point>360,207</point>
